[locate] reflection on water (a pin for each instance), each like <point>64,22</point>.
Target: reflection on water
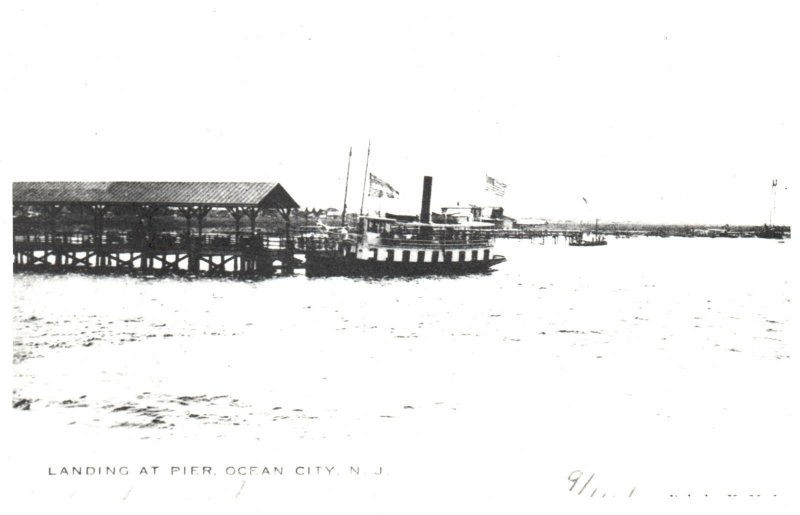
<point>636,327</point>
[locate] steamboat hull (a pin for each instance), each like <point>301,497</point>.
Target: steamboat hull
<point>326,265</point>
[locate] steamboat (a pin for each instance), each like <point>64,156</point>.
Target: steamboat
<point>382,246</point>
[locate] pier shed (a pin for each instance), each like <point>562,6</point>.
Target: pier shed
<point>144,245</point>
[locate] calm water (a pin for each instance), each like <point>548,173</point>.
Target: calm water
<point>177,356</point>
<point>563,353</point>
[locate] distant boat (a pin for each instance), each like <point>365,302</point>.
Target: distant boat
<point>588,243</point>
<point>596,241</point>
<point>770,231</point>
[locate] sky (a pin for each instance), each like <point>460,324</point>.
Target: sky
<point>673,112</point>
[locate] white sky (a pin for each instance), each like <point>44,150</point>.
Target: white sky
<point>674,112</point>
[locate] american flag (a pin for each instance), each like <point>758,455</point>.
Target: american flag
<point>495,186</point>
<point>380,188</point>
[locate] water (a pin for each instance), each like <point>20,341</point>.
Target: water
<point>647,353</point>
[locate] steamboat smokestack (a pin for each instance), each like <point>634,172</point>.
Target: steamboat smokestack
<point>425,213</point>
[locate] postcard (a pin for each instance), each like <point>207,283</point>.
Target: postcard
<point>399,258</point>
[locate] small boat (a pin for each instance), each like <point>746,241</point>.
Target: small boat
<point>588,243</point>
<point>770,231</point>
<point>382,246</point>
<point>596,241</point>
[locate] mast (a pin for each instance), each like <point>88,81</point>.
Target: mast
<point>346,183</point>
<point>772,211</point>
<point>364,188</point>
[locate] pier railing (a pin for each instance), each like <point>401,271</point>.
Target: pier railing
<point>154,241</point>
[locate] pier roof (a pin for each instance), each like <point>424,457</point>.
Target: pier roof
<point>265,195</point>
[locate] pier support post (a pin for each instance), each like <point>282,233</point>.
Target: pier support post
<point>249,257</point>
<point>201,213</point>
<point>98,212</point>
<point>51,214</point>
<point>194,257</point>
<point>237,213</point>
<point>263,262</point>
<point>288,255</point>
<point>188,213</point>
<point>252,214</point>
<point>189,246</point>
<point>146,214</point>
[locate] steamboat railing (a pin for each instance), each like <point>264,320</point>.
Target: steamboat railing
<point>434,243</point>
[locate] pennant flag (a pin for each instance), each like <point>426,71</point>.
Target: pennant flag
<point>381,188</point>
<point>495,186</point>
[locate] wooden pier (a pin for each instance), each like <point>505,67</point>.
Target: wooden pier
<point>145,246</point>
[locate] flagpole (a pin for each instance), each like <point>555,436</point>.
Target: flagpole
<point>346,183</point>
<point>364,188</point>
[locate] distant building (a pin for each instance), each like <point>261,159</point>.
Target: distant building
<point>487,214</point>
<point>329,214</point>
<point>461,214</point>
<point>502,222</point>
